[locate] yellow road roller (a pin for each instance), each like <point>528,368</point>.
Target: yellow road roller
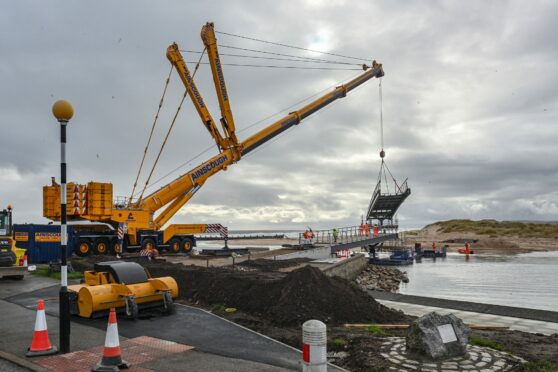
<point>126,286</point>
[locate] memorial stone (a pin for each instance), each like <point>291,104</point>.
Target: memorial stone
<point>438,336</point>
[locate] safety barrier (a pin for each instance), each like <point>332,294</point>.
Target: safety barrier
<point>344,235</point>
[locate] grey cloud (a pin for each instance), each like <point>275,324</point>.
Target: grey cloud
<point>469,106</point>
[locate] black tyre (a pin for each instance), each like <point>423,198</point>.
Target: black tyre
<point>187,245</point>
<point>8,259</point>
<point>83,247</point>
<point>115,247</point>
<point>101,246</point>
<point>148,243</point>
<point>175,245</point>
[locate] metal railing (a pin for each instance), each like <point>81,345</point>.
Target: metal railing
<point>344,235</point>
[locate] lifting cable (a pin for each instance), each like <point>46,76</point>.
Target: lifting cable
<point>169,131</point>
<point>289,46</point>
<point>384,166</point>
<point>250,126</point>
<point>381,119</point>
<point>291,58</point>
<point>287,67</point>
<point>151,135</point>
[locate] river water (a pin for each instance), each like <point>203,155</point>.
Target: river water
<point>525,280</point>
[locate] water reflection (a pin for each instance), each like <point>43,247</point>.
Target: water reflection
<point>525,280</point>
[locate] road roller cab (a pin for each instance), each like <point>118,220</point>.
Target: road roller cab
<point>126,286</point>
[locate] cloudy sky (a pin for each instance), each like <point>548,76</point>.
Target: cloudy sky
<point>470,101</point>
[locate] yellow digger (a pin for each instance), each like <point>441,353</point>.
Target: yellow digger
<point>11,258</point>
<point>126,286</point>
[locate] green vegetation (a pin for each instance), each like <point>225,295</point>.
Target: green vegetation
<point>44,271</point>
<point>540,366</point>
<point>377,331</point>
<point>339,342</point>
<point>500,228</point>
<point>479,341</point>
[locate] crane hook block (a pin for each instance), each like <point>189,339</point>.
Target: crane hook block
<point>382,154</point>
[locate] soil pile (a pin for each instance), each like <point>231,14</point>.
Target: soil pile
<point>273,265</point>
<point>307,293</point>
<point>283,299</point>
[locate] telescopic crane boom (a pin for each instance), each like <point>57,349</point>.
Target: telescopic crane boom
<point>140,216</point>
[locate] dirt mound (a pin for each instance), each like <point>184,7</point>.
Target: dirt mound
<point>307,293</point>
<point>283,299</point>
<point>273,265</point>
<point>86,263</point>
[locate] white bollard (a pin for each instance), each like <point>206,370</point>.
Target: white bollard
<point>314,346</point>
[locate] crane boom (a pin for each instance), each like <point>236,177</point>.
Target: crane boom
<point>175,57</point>
<point>197,176</point>
<point>295,117</point>
<point>227,121</point>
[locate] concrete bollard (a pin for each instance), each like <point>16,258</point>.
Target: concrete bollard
<point>314,346</point>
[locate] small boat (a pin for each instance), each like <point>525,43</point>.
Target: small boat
<point>431,253</point>
<point>397,258</point>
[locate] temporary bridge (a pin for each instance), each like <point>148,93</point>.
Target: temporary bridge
<point>385,202</point>
<point>349,237</point>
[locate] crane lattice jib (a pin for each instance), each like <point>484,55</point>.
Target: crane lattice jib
<point>175,57</point>
<point>183,185</point>
<point>227,121</point>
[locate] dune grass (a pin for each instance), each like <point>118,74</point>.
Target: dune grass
<point>500,228</point>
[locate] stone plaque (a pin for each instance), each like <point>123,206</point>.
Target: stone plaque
<point>447,333</point>
<point>438,336</point>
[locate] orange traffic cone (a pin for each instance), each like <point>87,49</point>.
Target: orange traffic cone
<point>25,260</point>
<point>41,343</point>
<point>112,359</point>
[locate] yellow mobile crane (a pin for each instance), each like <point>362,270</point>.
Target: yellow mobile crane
<point>94,201</point>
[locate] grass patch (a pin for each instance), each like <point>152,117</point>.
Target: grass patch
<point>484,342</point>
<point>500,228</point>
<point>540,366</point>
<point>377,331</point>
<point>44,271</point>
<point>339,342</point>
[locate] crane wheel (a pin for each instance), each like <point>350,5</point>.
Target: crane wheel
<point>101,246</point>
<point>187,245</point>
<point>115,247</point>
<point>148,243</point>
<point>174,245</point>
<point>83,247</point>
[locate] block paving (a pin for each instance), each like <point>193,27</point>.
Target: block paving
<point>477,359</point>
<point>136,351</point>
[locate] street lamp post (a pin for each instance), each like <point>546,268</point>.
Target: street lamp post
<point>63,112</point>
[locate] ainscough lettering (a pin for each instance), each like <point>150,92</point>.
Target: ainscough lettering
<point>207,167</point>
